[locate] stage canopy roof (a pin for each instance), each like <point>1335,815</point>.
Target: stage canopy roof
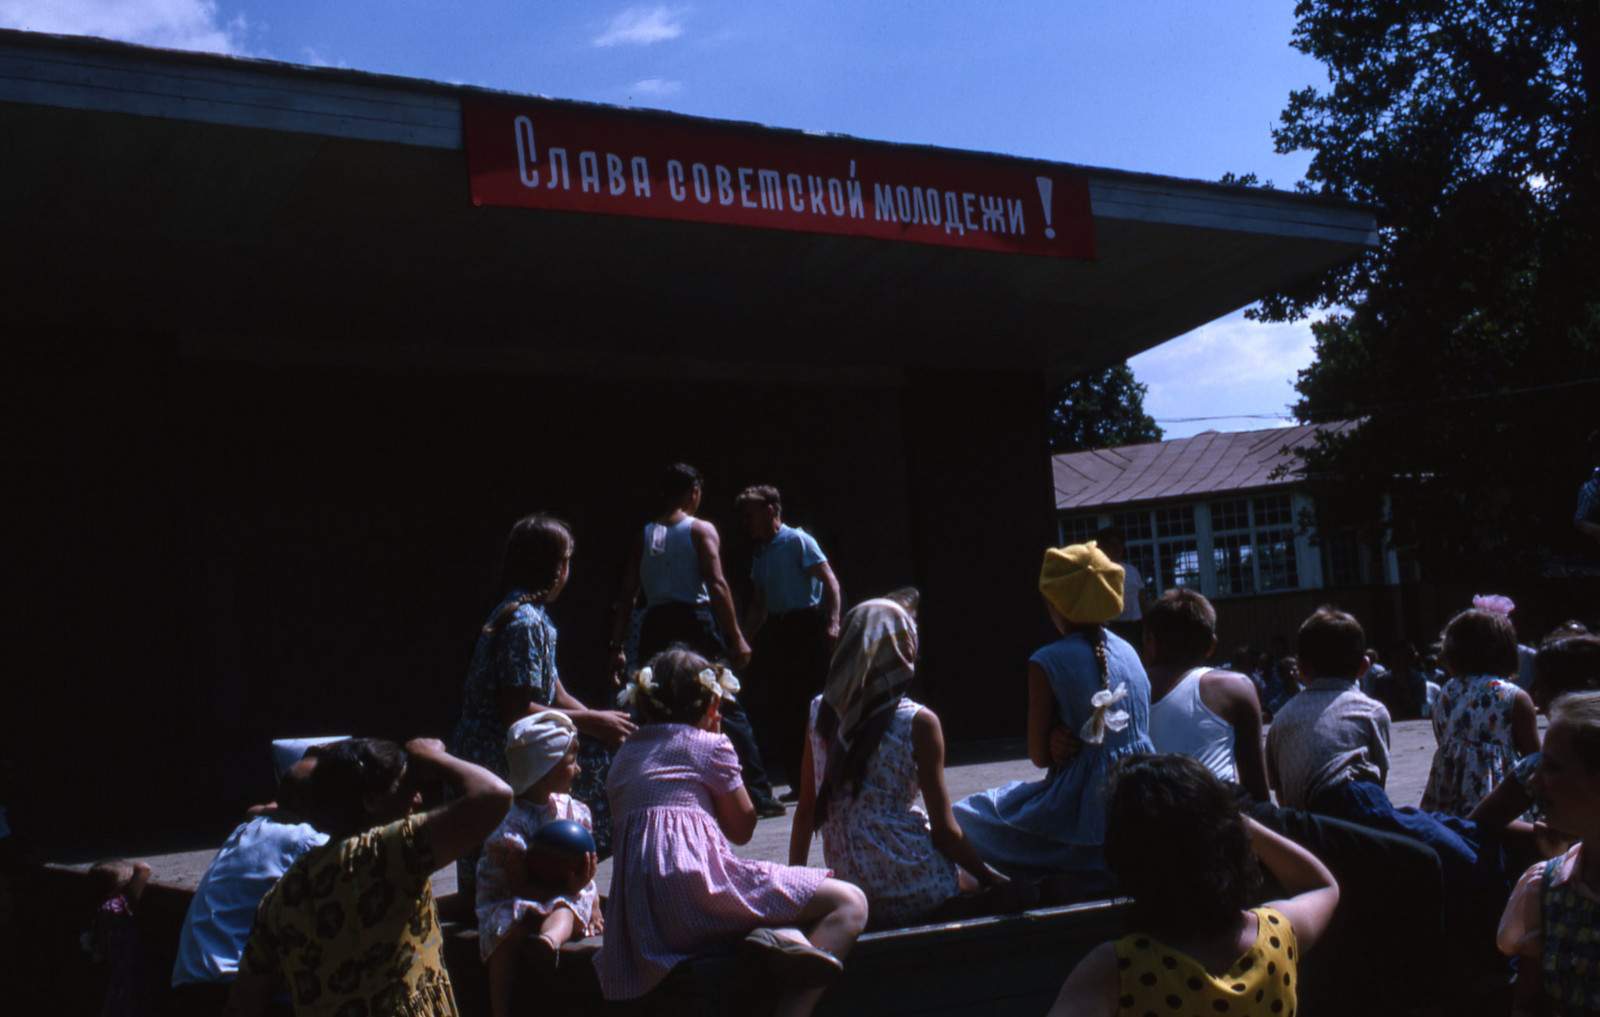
<point>272,205</point>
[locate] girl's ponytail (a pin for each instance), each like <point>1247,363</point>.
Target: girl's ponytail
<point>510,608</point>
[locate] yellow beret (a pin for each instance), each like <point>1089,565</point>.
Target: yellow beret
<point>1082,583</point>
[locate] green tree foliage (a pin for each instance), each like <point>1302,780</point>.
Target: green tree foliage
<point>1100,411</point>
<point>1470,338</point>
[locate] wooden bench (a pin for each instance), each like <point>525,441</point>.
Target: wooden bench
<point>982,966</point>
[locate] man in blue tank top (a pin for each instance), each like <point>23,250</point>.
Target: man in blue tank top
<point>792,617</point>
<point>676,560</point>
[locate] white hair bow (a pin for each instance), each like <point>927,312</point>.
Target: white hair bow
<point>1094,729</point>
<point>643,684</point>
<point>719,681</point>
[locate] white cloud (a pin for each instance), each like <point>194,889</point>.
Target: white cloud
<point>1230,366</point>
<point>641,26</point>
<point>316,58</point>
<point>175,24</point>
<point>655,86</point>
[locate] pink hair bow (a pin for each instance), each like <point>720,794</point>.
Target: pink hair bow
<point>1494,602</point>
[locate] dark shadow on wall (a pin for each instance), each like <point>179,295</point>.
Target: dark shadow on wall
<point>214,554</point>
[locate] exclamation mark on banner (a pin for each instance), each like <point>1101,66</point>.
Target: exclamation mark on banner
<point>1045,188</point>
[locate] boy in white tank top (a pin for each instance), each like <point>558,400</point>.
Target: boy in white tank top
<point>1199,711</point>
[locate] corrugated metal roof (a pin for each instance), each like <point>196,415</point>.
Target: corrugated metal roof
<point>1209,463</point>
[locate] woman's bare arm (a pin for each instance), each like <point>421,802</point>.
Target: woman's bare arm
<point>709,547</point>
<point>927,748</point>
<point>805,810</point>
<point>141,879</point>
<point>1249,751</point>
<point>480,801</point>
<point>626,597</point>
<point>1500,807</point>
<point>1041,716</point>
<point>1314,892</point>
<point>735,814</point>
<point>1524,724</point>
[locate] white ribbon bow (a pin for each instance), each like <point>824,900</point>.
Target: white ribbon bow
<point>643,684</point>
<point>719,681</point>
<point>1094,729</point>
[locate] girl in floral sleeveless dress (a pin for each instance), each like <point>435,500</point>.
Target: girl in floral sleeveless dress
<point>1483,722</point>
<point>869,751</point>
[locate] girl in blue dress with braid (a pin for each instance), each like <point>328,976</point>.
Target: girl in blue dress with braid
<point>1088,706</point>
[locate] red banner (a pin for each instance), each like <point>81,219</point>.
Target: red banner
<point>532,154</point>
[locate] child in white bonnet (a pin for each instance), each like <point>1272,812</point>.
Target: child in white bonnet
<point>542,751</point>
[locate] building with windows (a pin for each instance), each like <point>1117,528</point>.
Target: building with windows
<point>1227,514</point>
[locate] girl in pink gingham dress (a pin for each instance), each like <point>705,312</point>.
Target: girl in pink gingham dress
<point>677,889</point>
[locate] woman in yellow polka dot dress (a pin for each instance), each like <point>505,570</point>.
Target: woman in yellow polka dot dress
<point>1181,849</point>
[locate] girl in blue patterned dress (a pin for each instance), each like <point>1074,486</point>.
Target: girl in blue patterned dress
<point>1552,923</point>
<point>1088,706</point>
<point>1483,722</point>
<point>1562,665</point>
<point>870,749</point>
<point>513,674</point>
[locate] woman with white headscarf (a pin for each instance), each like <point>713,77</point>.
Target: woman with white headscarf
<point>869,751</point>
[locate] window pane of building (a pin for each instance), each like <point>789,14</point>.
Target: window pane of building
<point>1134,525</point>
<point>1274,510</point>
<point>1178,563</point>
<point>1275,560</point>
<point>1232,558</point>
<point>1230,515</point>
<point>1341,559</point>
<point>1077,529</point>
<point>1175,521</point>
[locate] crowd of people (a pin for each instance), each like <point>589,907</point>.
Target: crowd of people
<point>1240,852</point>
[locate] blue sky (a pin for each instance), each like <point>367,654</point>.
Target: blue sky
<point>1161,86</point>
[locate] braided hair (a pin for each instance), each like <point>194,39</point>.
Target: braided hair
<point>535,551</point>
<point>1096,635</point>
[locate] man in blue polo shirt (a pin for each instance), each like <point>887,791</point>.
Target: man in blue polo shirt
<point>792,619</point>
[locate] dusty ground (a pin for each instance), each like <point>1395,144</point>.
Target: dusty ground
<point>1411,754</point>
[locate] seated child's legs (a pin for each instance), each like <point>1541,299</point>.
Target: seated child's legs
<point>1389,920</point>
<point>503,964</point>
<point>834,916</point>
<point>508,958</point>
<point>1468,861</point>
<point>832,919</point>
<point>558,927</point>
